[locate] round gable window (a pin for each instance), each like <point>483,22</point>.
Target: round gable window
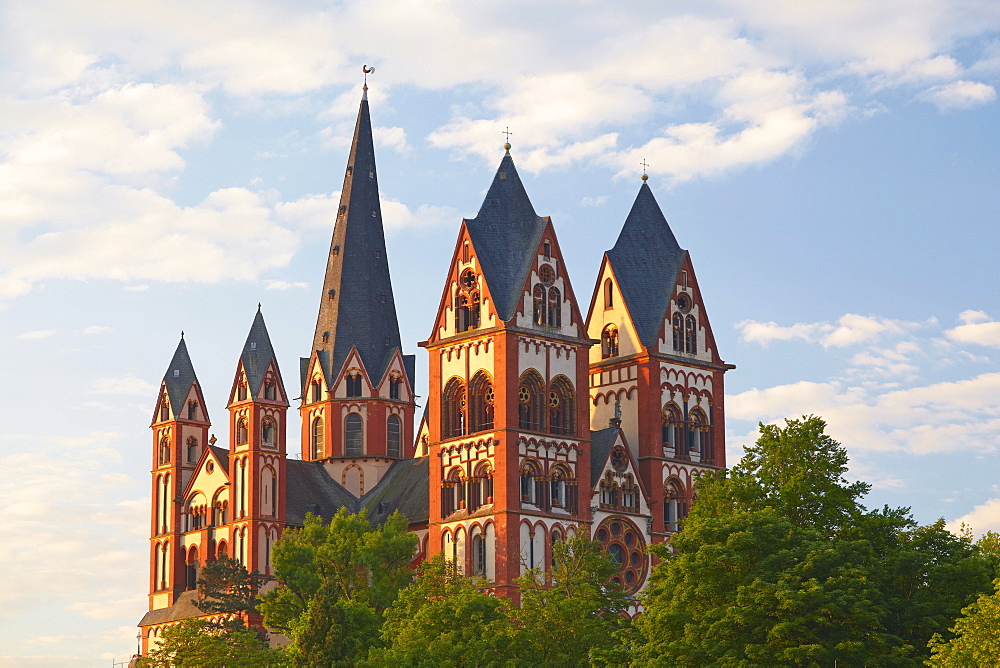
<point>209,466</point>
<point>545,274</point>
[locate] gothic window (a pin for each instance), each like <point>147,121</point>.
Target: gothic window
<point>478,554</point>
<point>452,492</point>
<point>316,390</point>
<point>164,450</point>
<point>673,431</point>
<point>270,391</point>
<point>394,384</point>
<point>393,436</point>
<point>674,508</point>
<point>453,409</point>
<point>678,329</point>
<point>192,410</point>
<point>538,305</point>
<point>609,299</point>
<point>530,480</point>
<point>241,389</point>
<point>353,435</point>
<point>481,398</point>
<point>531,401</point>
<point>555,308</point>
<point>561,407</point>
<point>467,302</point>
<point>481,487</point>
<point>609,342</point>
<point>269,432</point>
<point>690,335</point>
<point>699,435</point>
<point>557,487</point>
<point>192,449</point>
<point>241,431</point>
<point>317,438</point>
<point>354,385</point>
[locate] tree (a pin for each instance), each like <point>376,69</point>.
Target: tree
<point>569,609</point>
<point>226,588</point>
<point>197,642</point>
<point>335,582</point>
<point>976,636</point>
<point>446,619</point>
<point>780,564</point>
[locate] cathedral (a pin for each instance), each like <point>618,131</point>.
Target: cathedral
<point>542,419</point>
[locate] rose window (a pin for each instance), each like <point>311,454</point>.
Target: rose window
<point>626,547</point>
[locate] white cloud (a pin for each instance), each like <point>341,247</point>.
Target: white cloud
<point>984,517</point>
<point>596,200</point>
<point>978,328</point>
<point>397,215</point>
<point>97,329</point>
<point>123,385</point>
<point>960,95</point>
<point>37,334</point>
<point>851,329</point>
<point>394,138</point>
<point>142,287</point>
<point>284,285</point>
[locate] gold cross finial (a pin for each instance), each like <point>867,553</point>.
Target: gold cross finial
<point>507,132</point>
<point>644,166</point>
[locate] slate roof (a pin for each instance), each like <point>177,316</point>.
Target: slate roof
<point>223,455</point>
<point>257,354</point>
<point>646,260</point>
<point>179,378</point>
<point>506,233</point>
<point>601,443</point>
<point>309,488</point>
<point>404,487</point>
<point>183,608</point>
<point>357,269</point>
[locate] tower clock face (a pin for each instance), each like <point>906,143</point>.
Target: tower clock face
<point>684,302</point>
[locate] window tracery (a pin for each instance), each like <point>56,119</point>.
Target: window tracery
<point>531,401</point>
<point>481,397</point>
<point>626,546</point>
<point>562,407</point>
<point>673,432</point>
<point>453,409</point>
<point>353,435</point>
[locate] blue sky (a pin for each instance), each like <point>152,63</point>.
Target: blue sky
<point>831,166</point>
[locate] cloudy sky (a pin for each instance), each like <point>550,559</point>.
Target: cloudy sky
<point>831,165</point>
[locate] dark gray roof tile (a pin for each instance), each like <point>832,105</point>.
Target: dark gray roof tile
<point>601,443</point>
<point>309,488</point>
<point>179,378</point>
<point>404,487</point>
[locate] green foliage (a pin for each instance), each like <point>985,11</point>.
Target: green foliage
<point>225,587</point>
<point>574,601</point>
<point>446,619</point>
<point>780,564</point>
<point>336,581</point>
<point>976,636</point>
<point>196,642</point>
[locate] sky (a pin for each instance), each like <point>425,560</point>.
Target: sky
<point>832,167</point>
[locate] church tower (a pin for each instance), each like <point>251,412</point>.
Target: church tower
<point>657,365</point>
<point>257,426</point>
<point>508,419</point>
<point>357,386</point>
<point>180,435</point>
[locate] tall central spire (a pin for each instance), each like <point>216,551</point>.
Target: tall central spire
<point>357,308</point>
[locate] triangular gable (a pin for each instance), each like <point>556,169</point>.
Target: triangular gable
<point>280,396</point>
<point>444,322</point>
<point>396,364</point>
<point>205,481</point>
<point>239,379</point>
<point>596,315</point>
<point>352,362</point>
<point>603,443</point>
<point>694,291</point>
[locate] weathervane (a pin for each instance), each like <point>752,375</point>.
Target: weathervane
<point>644,166</point>
<point>507,132</point>
<point>367,70</point>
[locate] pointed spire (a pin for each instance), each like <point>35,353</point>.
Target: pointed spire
<point>257,353</point>
<point>646,260</point>
<point>179,377</point>
<point>506,233</point>
<point>357,308</point>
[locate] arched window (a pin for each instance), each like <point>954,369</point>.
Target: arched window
<point>467,302</point>
<point>690,335</point>
<point>353,435</point>
<point>609,342</point>
<point>241,431</point>
<point>562,406</point>
<point>394,384</point>
<point>531,401</point>
<point>555,308</point>
<point>270,392</point>
<point>318,446</point>
<point>538,304</point>
<point>678,329</point>
<point>317,393</point>
<point>164,410</point>
<point>481,487</point>
<point>530,483</point>
<point>192,569</point>
<point>674,507</point>
<point>452,492</point>
<point>453,409</point>
<point>221,552</point>
<point>609,294</point>
<point>479,554</point>
<point>241,389</point>
<point>192,449</point>
<point>164,450</point>
<point>393,436</point>
<point>480,403</point>
<point>557,487</point>
<point>555,539</point>
<point>269,432</point>
<point>354,385</point>
<point>192,410</point>
<point>673,431</point>
<point>698,434</point>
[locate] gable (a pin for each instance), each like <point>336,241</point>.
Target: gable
<point>608,310</point>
